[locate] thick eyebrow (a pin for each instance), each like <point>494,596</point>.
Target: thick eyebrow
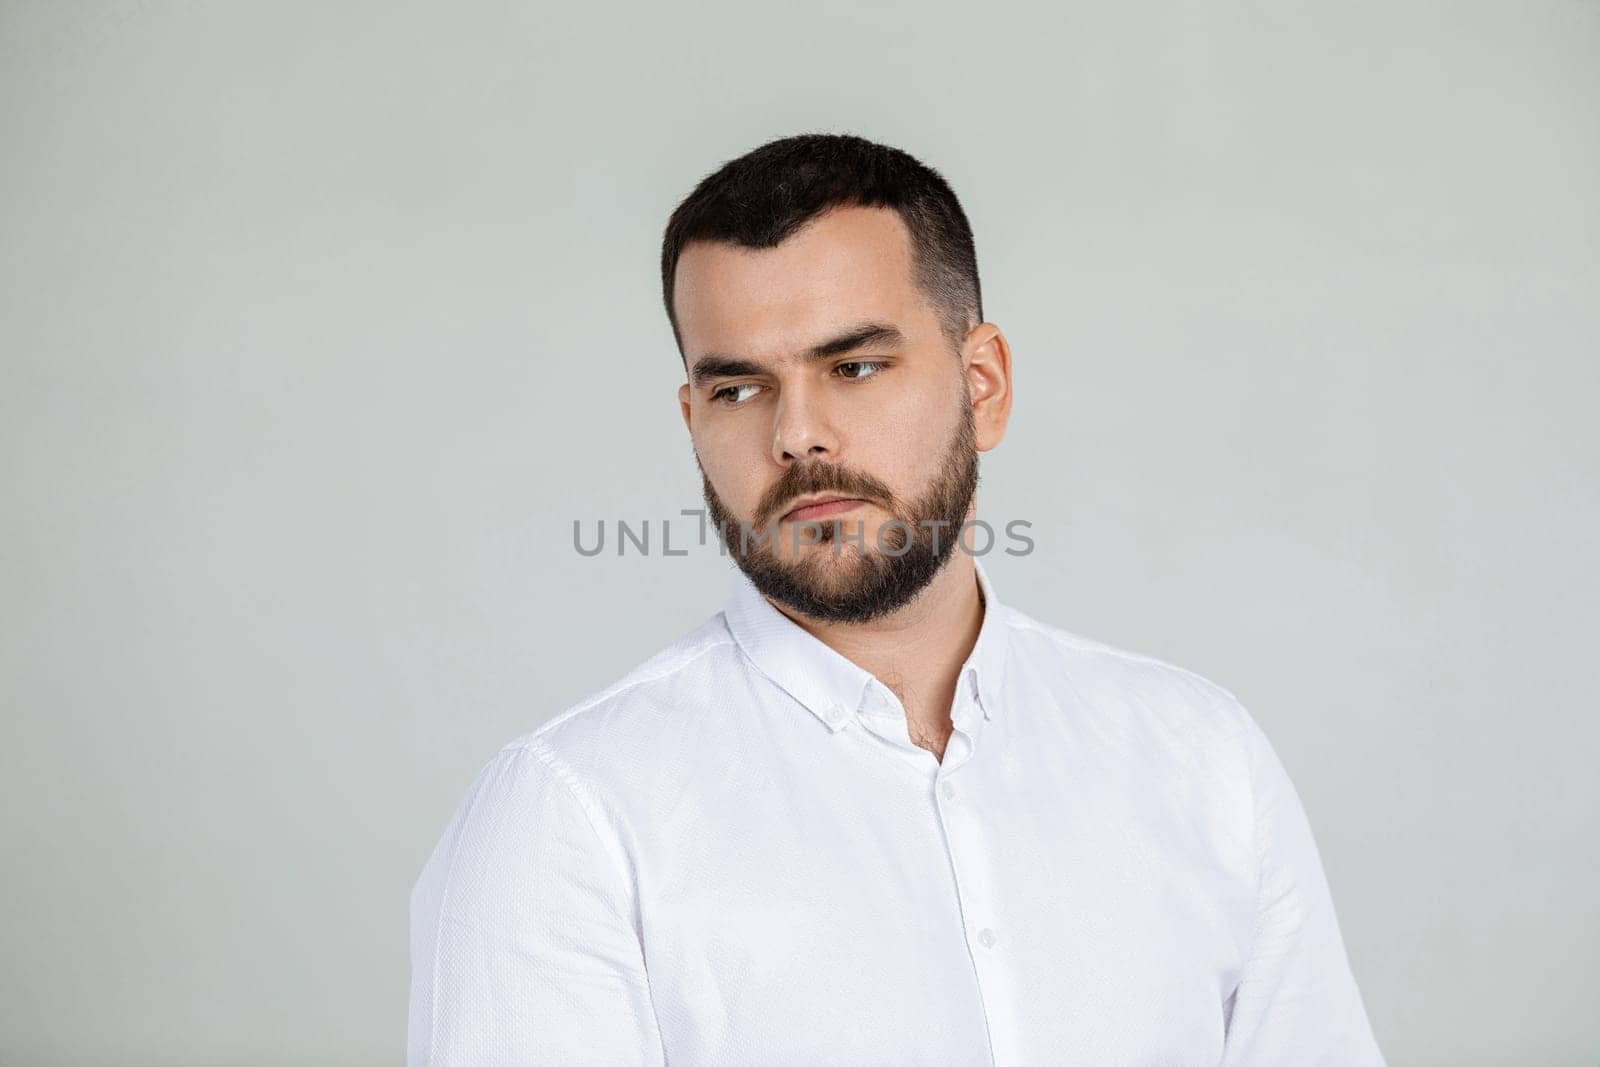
<point>709,368</point>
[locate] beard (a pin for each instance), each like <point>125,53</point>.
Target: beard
<point>838,581</point>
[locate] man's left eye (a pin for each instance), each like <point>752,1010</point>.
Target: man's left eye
<point>869,368</point>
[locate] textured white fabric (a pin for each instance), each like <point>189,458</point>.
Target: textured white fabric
<point>735,855</point>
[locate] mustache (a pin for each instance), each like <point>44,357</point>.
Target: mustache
<point>820,478</point>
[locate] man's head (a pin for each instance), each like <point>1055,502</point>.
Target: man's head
<point>823,291</point>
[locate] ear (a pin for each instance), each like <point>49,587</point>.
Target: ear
<point>683,402</point>
<point>986,363</point>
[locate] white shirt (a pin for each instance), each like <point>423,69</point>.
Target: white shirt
<point>735,855</point>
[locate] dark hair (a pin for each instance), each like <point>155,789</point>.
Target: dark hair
<point>764,196</point>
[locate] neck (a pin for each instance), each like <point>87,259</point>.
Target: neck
<point>916,651</point>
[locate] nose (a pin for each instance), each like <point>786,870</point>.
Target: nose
<point>801,429</point>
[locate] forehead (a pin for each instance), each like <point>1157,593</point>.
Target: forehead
<point>848,265</point>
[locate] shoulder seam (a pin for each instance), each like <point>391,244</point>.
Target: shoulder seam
<point>542,752</point>
<point>1242,735</point>
<point>467,812</point>
<point>537,749</point>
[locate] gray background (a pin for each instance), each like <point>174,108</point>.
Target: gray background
<point>321,323</point>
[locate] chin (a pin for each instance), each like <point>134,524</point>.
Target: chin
<point>829,557</point>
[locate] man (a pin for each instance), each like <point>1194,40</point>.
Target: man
<point>869,814</point>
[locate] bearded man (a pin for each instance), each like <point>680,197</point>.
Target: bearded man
<point>868,813</point>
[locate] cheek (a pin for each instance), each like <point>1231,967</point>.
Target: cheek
<point>902,452</point>
<point>917,414</point>
<point>734,466</point>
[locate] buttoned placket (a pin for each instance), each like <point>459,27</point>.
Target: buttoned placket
<point>963,826</point>
<point>851,704</point>
<point>966,845</point>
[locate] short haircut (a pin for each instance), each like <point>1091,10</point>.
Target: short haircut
<point>764,196</point>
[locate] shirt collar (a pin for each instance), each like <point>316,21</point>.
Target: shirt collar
<point>832,687</point>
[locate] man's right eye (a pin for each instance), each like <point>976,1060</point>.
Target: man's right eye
<point>728,395</point>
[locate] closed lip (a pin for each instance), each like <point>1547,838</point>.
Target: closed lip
<point>807,502</point>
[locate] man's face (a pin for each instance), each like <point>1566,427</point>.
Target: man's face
<point>817,368</point>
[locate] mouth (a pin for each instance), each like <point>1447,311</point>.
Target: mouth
<point>822,509</point>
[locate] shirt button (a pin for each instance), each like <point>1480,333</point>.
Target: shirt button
<point>835,714</point>
<point>986,936</point>
<point>949,791</point>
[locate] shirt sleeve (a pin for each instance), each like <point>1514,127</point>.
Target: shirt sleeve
<point>1296,1001</point>
<point>523,945</point>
